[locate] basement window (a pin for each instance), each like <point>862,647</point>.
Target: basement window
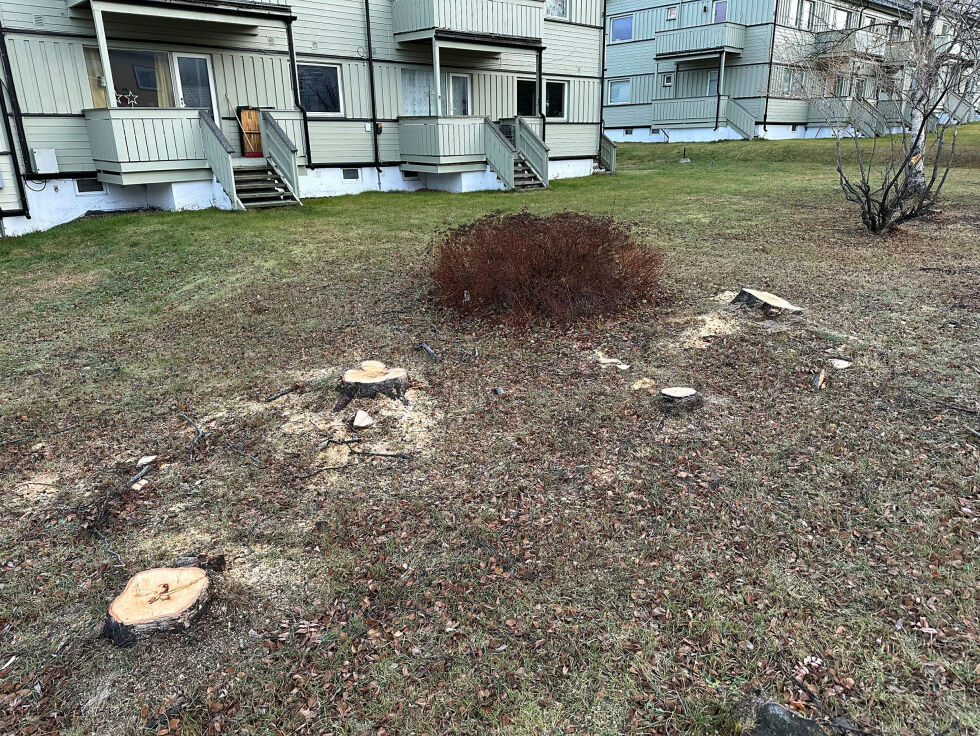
<point>89,186</point>
<point>352,174</point>
<point>410,175</point>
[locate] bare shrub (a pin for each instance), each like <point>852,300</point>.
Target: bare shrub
<point>553,268</point>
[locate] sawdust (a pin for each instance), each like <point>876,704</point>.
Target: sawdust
<point>710,325</point>
<point>38,490</point>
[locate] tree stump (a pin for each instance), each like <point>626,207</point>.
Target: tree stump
<point>768,303</point>
<point>164,599</point>
<point>369,380</point>
<point>679,398</point>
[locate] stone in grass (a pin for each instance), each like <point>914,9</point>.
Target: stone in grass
<point>362,420</point>
<point>368,380</point>
<point>161,600</point>
<point>839,364</point>
<point>146,460</point>
<point>760,717</point>
<point>769,303</point>
<point>679,397</point>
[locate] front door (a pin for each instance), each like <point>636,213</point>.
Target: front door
<point>195,83</point>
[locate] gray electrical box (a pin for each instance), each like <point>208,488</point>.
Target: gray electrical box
<point>45,161</point>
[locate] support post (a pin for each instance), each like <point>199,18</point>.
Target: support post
<point>437,76</point>
<point>110,87</point>
<point>721,79</point>
<point>539,87</point>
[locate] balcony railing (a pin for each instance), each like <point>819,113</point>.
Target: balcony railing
<point>711,37</point>
<point>438,141</point>
<point>698,111</point>
<point>846,42</point>
<point>522,19</point>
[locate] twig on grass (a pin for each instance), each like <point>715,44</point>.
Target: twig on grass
<point>947,405</point>
<point>200,433</point>
<point>36,435</point>
<point>255,460</point>
<point>972,431</point>
<point>284,392</point>
<point>105,543</point>
<point>432,353</point>
<point>369,453</point>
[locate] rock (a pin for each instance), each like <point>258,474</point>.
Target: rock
<point>679,397</point>
<point>759,717</point>
<point>839,364</point>
<point>499,391</point>
<point>769,303</point>
<point>362,419</point>
<point>164,599</point>
<point>819,380</point>
<point>145,460</point>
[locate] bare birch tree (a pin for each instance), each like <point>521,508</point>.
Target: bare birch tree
<point>893,95</point>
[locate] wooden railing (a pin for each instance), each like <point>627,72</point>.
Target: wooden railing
<point>218,152</point>
<point>280,151</point>
<point>441,140</point>
<point>740,119</point>
<point>532,148</point>
<point>500,153</point>
<point>714,36</point>
<point>133,139</point>
<point>515,18</point>
<point>607,152</point>
<point>665,113</point>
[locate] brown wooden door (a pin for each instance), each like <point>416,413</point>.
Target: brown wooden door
<point>251,135</point>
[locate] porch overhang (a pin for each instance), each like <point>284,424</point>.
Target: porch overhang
<point>240,15</point>
<point>699,55</point>
<point>478,42</point>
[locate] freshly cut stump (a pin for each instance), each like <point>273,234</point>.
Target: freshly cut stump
<point>769,303</point>
<point>160,600</point>
<point>369,380</point>
<point>677,398</point>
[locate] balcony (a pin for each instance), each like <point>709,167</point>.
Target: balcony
<point>696,112</point>
<point>850,42</point>
<point>517,22</point>
<point>440,144</point>
<point>707,39</point>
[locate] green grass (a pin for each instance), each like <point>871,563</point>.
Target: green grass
<point>562,557</point>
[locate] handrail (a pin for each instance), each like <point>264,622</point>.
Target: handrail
<point>218,152</point>
<point>532,148</point>
<point>500,152</point>
<point>607,152</point>
<point>280,151</point>
<point>740,119</point>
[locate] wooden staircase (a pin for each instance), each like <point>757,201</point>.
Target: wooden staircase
<point>524,176</point>
<point>258,188</point>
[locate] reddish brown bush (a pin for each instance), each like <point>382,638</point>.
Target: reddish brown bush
<point>555,268</point>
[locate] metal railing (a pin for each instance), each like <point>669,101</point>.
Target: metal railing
<point>218,152</point>
<point>500,153</point>
<point>280,152</point>
<point>532,148</point>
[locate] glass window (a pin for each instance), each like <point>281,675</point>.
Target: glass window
<point>418,92</point>
<point>721,11</point>
<point>141,78</point>
<point>554,100</point>
<point>194,76</point>
<point>527,94</point>
<point>619,91</point>
<point>556,9</point>
<point>96,81</point>
<point>622,29</point>
<point>712,84</point>
<point>668,80</point>
<point>672,12</point>
<point>459,94</point>
<point>319,88</point>
<point>352,174</point>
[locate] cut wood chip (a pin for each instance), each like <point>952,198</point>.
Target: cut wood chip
<point>164,599</point>
<point>369,380</point>
<point>839,364</point>
<point>362,419</point>
<point>766,301</point>
<point>820,380</point>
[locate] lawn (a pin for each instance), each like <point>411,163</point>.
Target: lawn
<point>561,558</point>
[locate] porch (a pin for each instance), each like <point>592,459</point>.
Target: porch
<point>696,112</point>
<point>515,21</point>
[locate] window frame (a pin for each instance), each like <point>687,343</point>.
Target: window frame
<point>526,80</point>
<point>667,76</point>
<point>714,11</point>
<point>628,81</point>
<point>612,25</point>
<point>450,96</point>
<point>676,13</point>
<point>340,89</point>
<point>355,169</point>
<point>101,192</point>
<point>564,99</point>
<point>568,11</point>
<point>717,78</point>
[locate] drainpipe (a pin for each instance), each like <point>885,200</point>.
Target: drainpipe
<point>602,83</point>
<point>721,72</point>
<point>374,101</point>
<point>541,103</point>
<point>772,47</point>
<point>294,78</point>
<point>25,209</point>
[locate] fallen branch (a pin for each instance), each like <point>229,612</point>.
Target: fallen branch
<point>200,433</point>
<point>972,431</point>
<point>36,435</point>
<point>946,405</point>
<point>255,460</point>
<point>105,543</point>
<point>284,392</point>
<point>432,353</point>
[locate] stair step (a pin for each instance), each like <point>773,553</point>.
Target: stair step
<point>255,185</point>
<point>262,204</point>
<point>263,196</point>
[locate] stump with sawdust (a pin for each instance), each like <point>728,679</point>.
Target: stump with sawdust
<point>679,398</point>
<point>161,600</point>
<point>371,379</point>
<point>769,303</point>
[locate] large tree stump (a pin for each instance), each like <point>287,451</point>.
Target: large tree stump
<point>369,380</point>
<point>769,303</point>
<point>164,599</point>
<point>679,398</point>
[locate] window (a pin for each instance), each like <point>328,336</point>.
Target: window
<point>668,80</point>
<point>628,131</point>
<point>712,84</point>
<point>351,174</point>
<point>319,88</point>
<point>410,175</point>
<point>89,186</point>
<point>672,12</point>
<point>621,29</point>
<point>619,91</point>
<point>721,11</point>
<point>140,78</point>
<point>554,100</point>
<point>806,15</point>
<point>459,95</point>
<point>556,9</point>
<point>869,22</point>
<point>842,87</point>
<point>527,97</point>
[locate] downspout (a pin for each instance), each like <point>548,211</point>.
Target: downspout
<point>541,102</point>
<point>25,209</point>
<point>602,83</point>
<point>299,103</point>
<point>772,49</point>
<point>374,101</point>
<point>721,63</point>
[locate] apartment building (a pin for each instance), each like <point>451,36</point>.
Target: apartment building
<point>729,69</point>
<point>175,104</point>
